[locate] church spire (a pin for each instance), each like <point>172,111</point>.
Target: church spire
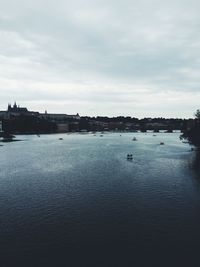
<point>9,106</point>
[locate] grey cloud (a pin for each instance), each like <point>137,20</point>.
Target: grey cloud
<point>108,47</point>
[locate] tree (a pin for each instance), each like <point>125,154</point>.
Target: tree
<point>192,133</point>
<point>197,114</point>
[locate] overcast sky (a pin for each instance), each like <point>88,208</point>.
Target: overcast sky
<point>107,57</point>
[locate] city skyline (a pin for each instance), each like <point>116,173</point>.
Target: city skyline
<point>129,58</point>
<point>16,107</point>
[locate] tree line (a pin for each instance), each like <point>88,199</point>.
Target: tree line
<point>192,134</point>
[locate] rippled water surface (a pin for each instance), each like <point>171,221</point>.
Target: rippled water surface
<point>80,202</point>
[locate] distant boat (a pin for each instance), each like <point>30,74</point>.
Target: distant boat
<point>129,156</point>
<point>60,138</point>
<point>162,143</point>
<point>134,139</point>
<point>7,137</point>
<point>101,135</point>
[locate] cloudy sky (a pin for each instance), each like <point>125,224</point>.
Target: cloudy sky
<point>101,57</point>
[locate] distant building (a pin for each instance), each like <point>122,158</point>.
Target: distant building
<point>64,122</point>
<point>4,115</point>
<point>62,127</point>
<point>59,117</point>
<point>16,109</point>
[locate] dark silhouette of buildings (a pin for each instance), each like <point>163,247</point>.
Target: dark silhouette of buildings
<point>16,109</point>
<point>18,119</point>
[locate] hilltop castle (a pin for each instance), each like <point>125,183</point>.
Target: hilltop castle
<point>16,109</point>
<point>17,114</point>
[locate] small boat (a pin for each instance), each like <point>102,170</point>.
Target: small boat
<point>162,143</point>
<point>60,138</point>
<point>134,139</point>
<point>129,157</point>
<point>101,135</point>
<point>7,137</point>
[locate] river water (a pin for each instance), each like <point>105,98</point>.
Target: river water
<point>80,202</point>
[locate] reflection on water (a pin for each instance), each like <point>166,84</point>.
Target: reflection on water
<point>78,201</point>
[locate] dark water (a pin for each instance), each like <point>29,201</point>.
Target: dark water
<point>79,202</point>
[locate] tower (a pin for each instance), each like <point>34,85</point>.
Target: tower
<point>9,107</point>
<point>15,105</point>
